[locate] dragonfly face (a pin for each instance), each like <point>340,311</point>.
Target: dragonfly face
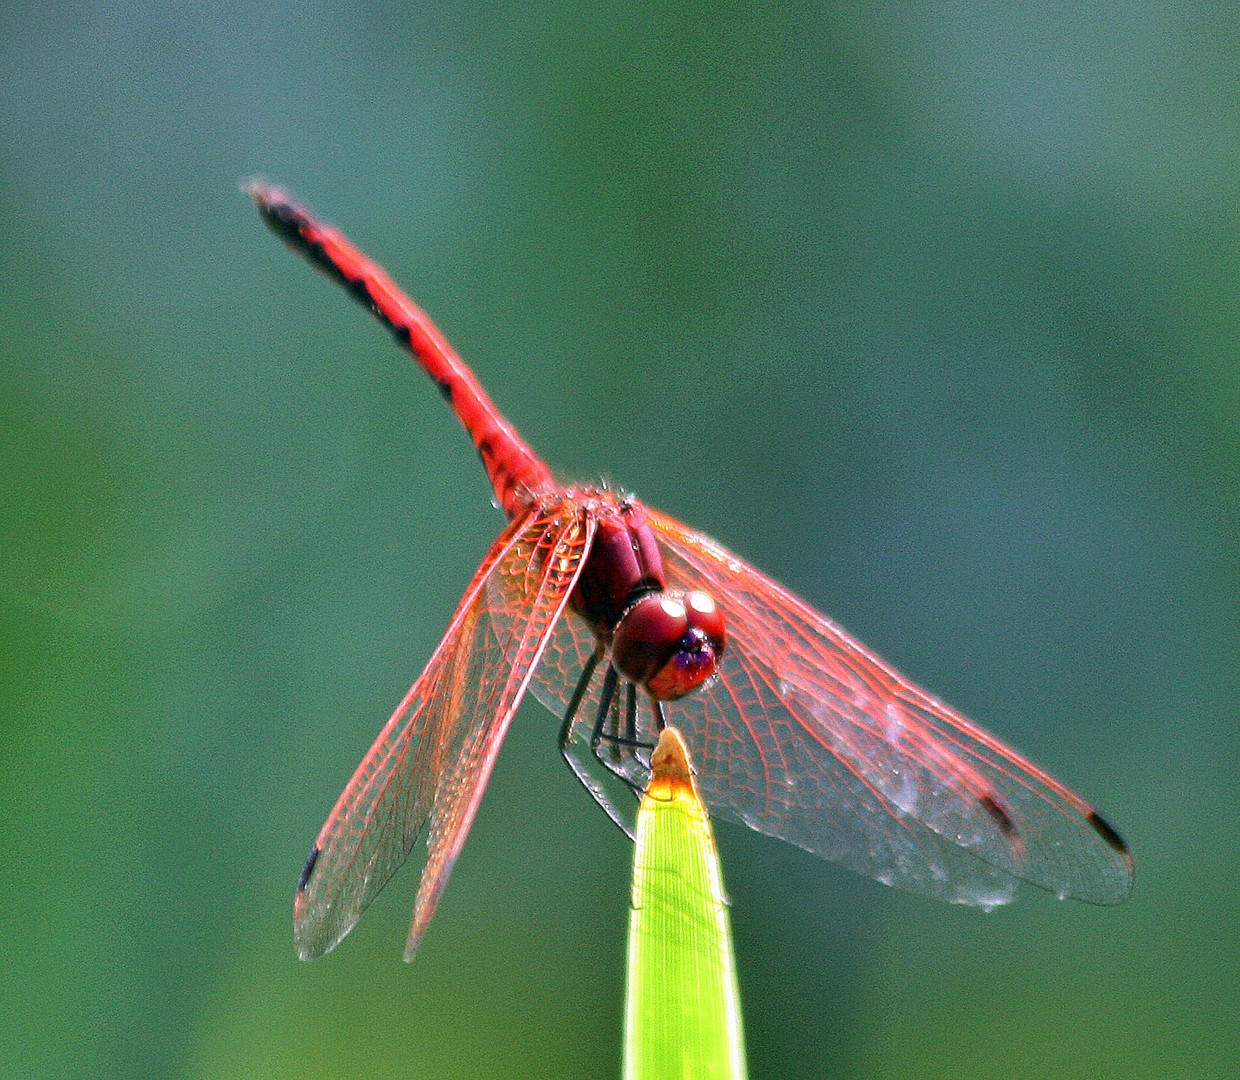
<point>669,642</point>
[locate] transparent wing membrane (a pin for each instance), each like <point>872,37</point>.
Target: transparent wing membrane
<point>434,757</point>
<point>809,737</point>
<point>806,736</point>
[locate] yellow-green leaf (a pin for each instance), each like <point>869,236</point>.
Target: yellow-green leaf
<point>682,1007</point>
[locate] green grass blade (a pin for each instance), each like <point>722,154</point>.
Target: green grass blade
<point>682,1006</point>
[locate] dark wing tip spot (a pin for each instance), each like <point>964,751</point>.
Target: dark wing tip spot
<point>308,869</point>
<point>992,806</point>
<point>1104,829</point>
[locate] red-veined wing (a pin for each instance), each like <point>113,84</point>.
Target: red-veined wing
<point>435,755</point>
<point>807,736</point>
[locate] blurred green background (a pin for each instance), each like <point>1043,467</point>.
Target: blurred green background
<point>930,310</point>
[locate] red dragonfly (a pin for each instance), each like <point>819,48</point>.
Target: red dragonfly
<point>621,620</point>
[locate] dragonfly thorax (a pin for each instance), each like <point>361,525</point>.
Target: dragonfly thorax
<point>623,565</point>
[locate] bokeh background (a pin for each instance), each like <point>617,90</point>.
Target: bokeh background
<point>930,310</point>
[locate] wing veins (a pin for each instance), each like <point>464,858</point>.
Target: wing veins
<point>340,886</point>
<point>452,818</point>
<point>908,756</point>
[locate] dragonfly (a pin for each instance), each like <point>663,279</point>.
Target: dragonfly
<point>623,621</point>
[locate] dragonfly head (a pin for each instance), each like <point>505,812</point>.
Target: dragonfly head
<point>669,642</point>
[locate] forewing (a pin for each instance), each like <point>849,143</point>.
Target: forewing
<point>530,591</point>
<point>807,736</point>
<point>434,756</point>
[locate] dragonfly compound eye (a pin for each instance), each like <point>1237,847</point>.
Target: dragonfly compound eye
<point>669,642</point>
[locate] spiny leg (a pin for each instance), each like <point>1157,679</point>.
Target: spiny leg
<point>624,735</point>
<point>630,714</point>
<point>569,749</point>
<point>607,697</point>
<point>579,692</point>
<point>660,721</point>
<point>616,739</point>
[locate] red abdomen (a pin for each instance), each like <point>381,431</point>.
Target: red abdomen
<point>516,473</point>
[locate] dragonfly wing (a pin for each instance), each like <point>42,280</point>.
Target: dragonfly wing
<point>807,736</point>
<point>528,595</point>
<point>434,756</point>
<point>753,772</point>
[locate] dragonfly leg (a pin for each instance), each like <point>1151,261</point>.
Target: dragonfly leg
<point>606,698</point>
<point>630,716</point>
<point>583,684</point>
<point>571,748</point>
<point>616,739</point>
<point>660,721</point>
<point>624,736</point>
